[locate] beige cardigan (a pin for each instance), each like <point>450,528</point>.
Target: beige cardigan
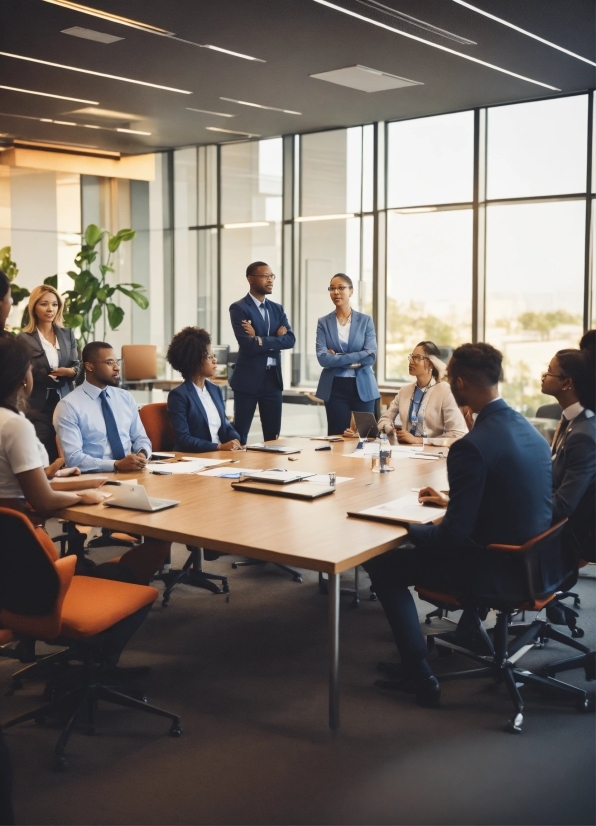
<point>439,412</point>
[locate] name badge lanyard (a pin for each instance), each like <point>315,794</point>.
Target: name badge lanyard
<point>414,413</point>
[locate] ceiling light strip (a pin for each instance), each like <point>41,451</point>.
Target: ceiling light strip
<point>208,112</point>
<point>434,45</point>
<point>523,31</point>
<point>91,72</point>
<point>231,132</point>
<point>114,18</point>
<point>72,123</point>
<point>48,95</point>
<point>227,51</point>
<point>260,106</point>
<point>337,217</point>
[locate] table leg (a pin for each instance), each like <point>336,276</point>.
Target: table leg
<point>333,651</point>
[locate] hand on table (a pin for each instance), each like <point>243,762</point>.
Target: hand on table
<point>233,444</point>
<point>92,497</point>
<point>430,496</point>
<point>248,328</point>
<point>67,471</point>
<point>405,438</point>
<point>130,463</point>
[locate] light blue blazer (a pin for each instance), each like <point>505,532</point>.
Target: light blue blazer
<point>362,349</point>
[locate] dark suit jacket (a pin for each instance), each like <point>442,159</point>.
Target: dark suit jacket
<point>500,488</point>
<point>574,475</point>
<point>189,419</point>
<point>249,373</point>
<point>68,357</point>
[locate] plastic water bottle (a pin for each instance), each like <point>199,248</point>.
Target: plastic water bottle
<point>384,453</point>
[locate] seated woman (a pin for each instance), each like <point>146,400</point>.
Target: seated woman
<point>196,408</point>
<point>426,408</point>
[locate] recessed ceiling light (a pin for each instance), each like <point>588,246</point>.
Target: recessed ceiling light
<point>91,34</point>
<point>110,114</point>
<point>72,123</point>
<point>414,21</point>
<point>524,31</point>
<point>231,132</point>
<point>337,217</point>
<point>65,122</point>
<point>365,79</point>
<point>145,27</point>
<point>260,106</point>
<point>48,95</point>
<point>207,112</point>
<point>434,45</point>
<point>132,131</point>
<point>114,18</point>
<point>90,72</point>
<point>247,225</point>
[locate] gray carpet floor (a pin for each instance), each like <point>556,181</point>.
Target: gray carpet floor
<point>249,678</point>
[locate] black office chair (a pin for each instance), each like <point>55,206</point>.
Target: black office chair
<point>549,411</point>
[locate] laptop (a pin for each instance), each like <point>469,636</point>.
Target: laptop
<point>135,497</point>
<point>276,477</point>
<point>273,449</point>
<point>366,425</point>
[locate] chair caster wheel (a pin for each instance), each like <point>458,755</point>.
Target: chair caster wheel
<point>583,705</point>
<point>61,764</point>
<point>175,731</point>
<point>373,597</point>
<point>297,579</point>
<point>234,565</point>
<point>577,602</point>
<point>514,726</point>
<point>428,621</point>
<point>577,632</point>
<point>164,603</point>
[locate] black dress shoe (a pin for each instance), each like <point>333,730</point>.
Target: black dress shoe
<point>426,689</point>
<point>393,670</point>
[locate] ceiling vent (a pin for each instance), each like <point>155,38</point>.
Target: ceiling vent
<point>91,34</point>
<point>365,79</point>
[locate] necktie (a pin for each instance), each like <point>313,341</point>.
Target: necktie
<point>559,432</point>
<point>111,428</point>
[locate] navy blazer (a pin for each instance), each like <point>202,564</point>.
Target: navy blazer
<point>362,349</point>
<point>68,356</point>
<point>500,491</point>
<point>574,475</point>
<point>249,372</point>
<point>189,419</point>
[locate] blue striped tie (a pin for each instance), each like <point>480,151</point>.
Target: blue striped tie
<point>111,428</point>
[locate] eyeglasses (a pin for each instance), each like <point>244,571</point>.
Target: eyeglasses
<point>111,362</point>
<point>412,357</point>
<point>265,277</point>
<point>554,375</point>
<point>341,288</point>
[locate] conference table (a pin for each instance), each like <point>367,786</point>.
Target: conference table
<point>317,535</point>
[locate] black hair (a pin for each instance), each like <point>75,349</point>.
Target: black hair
<point>479,363</point>
<point>431,349</point>
<point>91,350</point>
<point>588,343</point>
<point>343,277</point>
<point>4,284</point>
<point>578,366</point>
<point>188,350</point>
<point>15,359</point>
<point>250,270</point>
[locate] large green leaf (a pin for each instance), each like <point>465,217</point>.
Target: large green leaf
<point>51,281</point>
<point>96,314</point>
<point>93,235</point>
<point>137,297</point>
<point>115,315</point>
<point>73,319</point>
<point>18,293</point>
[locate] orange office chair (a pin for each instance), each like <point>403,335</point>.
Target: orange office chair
<point>525,564</point>
<point>41,598</point>
<point>156,422</point>
<point>139,363</point>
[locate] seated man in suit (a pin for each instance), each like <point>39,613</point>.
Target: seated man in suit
<point>196,408</point>
<point>500,492</point>
<point>99,429</point>
<point>570,379</point>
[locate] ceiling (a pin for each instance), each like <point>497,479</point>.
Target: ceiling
<point>296,39</point>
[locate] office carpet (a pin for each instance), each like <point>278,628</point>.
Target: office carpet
<point>249,678</point>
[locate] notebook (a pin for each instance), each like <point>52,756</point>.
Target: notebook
<point>405,510</point>
<point>273,449</point>
<point>301,490</point>
<point>276,477</point>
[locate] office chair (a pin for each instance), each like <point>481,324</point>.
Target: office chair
<point>156,422</point>
<point>525,564</point>
<point>139,365</point>
<point>549,411</point>
<point>41,598</point>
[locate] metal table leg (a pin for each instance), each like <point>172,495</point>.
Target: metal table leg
<point>333,651</point>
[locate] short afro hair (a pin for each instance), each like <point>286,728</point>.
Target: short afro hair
<point>188,350</point>
<point>478,363</point>
<point>91,350</point>
<point>252,268</point>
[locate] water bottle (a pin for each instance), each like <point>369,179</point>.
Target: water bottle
<point>384,453</point>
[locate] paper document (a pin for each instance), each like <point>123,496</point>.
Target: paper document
<point>185,467</point>
<point>228,472</point>
<point>323,479</point>
<point>405,509</point>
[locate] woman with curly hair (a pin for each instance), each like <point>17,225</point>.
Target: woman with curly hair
<point>196,408</point>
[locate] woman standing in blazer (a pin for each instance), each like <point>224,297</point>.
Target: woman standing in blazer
<point>346,349</point>
<point>54,359</point>
<point>426,407</point>
<point>196,408</point>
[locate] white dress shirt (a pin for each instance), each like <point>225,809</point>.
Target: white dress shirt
<point>52,353</point>
<point>211,411</point>
<point>343,334</point>
<point>262,306</point>
<point>573,411</point>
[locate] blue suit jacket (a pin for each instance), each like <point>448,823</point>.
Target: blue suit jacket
<point>500,481</point>
<point>189,419</point>
<point>249,372</point>
<point>362,349</point>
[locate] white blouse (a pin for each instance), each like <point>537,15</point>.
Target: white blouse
<point>51,352</point>
<point>343,333</point>
<point>213,416</point>
<point>20,450</point>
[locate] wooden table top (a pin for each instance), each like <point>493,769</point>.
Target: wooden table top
<point>316,535</point>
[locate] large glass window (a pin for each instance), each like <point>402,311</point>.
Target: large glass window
<point>429,283</point>
<point>534,290</point>
<point>431,160</point>
<point>537,148</point>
